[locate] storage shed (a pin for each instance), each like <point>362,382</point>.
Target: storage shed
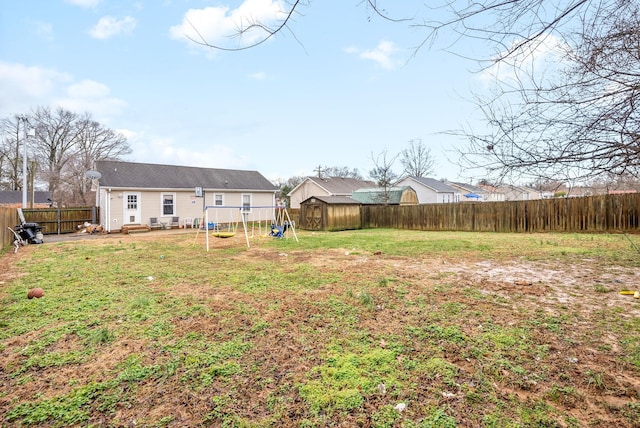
<point>329,213</point>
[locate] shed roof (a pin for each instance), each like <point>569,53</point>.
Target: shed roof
<point>333,200</point>
<point>154,176</point>
<point>377,195</point>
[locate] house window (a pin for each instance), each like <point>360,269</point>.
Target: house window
<point>132,202</point>
<point>168,204</point>
<point>246,202</point>
<point>217,199</point>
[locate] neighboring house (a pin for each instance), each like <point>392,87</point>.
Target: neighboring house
<point>133,193</point>
<point>430,190</point>
<point>544,194</point>
<point>518,193</point>
<point>11,198</point>
<point>469,192</point>
<point>493,193</point>
<point>578,191</point>
<point>403,195</point>
<point>510,192</point>
<point>327,186</point>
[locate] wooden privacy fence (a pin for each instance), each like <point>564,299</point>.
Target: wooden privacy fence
<point>602,213</point>
<point>8,218</point>
<point>52,220</point>
<point>61,220</point>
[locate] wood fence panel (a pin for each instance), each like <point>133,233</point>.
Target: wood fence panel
<point>61,220</point>
<point>8,218</point>
<point>294,215</point>
<point>52,220</point>
<point>602,213</point>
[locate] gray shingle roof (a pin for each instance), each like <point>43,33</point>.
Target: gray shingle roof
<point>468,187</point>
<point>434,184</point>
<point>15,197</point>
<point>340,185</point>
<point>153,176</point>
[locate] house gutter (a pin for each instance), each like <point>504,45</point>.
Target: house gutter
<point>107,201</point>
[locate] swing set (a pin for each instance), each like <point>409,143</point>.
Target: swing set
<point>267,220</point>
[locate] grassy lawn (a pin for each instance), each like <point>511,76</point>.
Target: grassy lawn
<point>371,328</point>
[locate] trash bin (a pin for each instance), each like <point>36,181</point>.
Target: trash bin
<point>30,232</point>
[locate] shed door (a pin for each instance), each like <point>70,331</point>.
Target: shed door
<point>131,208</point>
<point>313,220</point>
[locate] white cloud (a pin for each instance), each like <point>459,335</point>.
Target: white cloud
<point>381,54</point>
<point>532,58</point>
<point>219,25</point>
<point>94,97</point>
<point>128,134</point>
<point>84,3</point>
<point>88,89</point>
<point>44,30</point>
<point>109,26</point>
<point>261,75</point>
<point>167,150</point>
<point>23,88</point>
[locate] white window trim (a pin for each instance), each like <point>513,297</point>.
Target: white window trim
<point>242,202</point>
<point>214,199</point>
<point>175,199</point>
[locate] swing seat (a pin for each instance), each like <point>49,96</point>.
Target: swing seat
<point>277,231</point>
<point>223,234</point>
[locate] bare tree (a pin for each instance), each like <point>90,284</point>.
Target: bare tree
<point>576,120</point>
<point>416,159</point>
<point>95,142</point>
<point>382,173</point>
<point>288,186</point>
<point>578,123</point>
<point>499,22</point>
<point>11,156</point>
<point>340,171</point>
<point>57,137</point>
<point>64,147</point>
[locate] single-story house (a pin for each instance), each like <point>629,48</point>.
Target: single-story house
<point>493,193</point>
<point>13,198</point>
<point>469,192</point>
<point>401,195</point>
<point>325,186</point>
<point>430,190</point>
<point>131,193</point>
<point>517,193</point>
<point>330,213</point>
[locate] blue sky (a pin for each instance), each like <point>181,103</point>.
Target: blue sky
<point>334,88</point>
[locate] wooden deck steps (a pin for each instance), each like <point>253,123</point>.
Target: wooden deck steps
<point>135,228</point>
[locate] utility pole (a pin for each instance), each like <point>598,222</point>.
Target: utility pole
<point>24,121</point>
<point>32,178</point>
<point>319,170</point>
